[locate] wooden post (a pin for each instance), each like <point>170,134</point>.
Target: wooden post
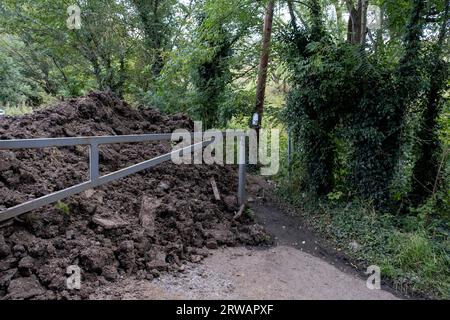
<point>264,62</point>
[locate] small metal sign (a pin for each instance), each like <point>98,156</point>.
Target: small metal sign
<point>255,119</point>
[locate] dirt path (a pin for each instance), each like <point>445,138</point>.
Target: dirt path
<point>239,273</point>
<point>297,267</point>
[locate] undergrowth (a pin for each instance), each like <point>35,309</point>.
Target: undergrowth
<point>413,250</point>
<point>17,109</point>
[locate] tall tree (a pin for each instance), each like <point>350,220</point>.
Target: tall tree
<point>426,168</point>
<point>357,21</point>
<point>264,62</point>
<point>309,109</point>
<point>379,119</point>
<point>155,16</point>
<point>58,55</point>
<point>212,74</point>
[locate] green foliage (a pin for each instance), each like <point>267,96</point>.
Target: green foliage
<point>419,263</point>
<point>155,19</point>
<point>15,88</point>
<point>202,74</point>
<point>197,57</point>
<point>343,92</point>
<point>356,113</point>
<point>107,52</point>
<point>17,109</point>
<point>413,255</point>
<point>62,207</point>
<point>211,72</point>
<point>331,100</point>
<point>397,15</point>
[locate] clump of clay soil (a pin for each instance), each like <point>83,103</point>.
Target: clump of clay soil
<point>147,223</point>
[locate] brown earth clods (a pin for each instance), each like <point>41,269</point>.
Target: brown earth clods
<point>150,222</point>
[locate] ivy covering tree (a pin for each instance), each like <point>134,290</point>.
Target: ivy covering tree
<point>346,94</point>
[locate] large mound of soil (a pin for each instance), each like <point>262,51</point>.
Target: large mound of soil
<point>144,224</point>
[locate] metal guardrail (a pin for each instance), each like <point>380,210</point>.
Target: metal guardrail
<point>95,179</point>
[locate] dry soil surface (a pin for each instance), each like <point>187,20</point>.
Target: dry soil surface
<point>280,272</point>
<point>299,266</point>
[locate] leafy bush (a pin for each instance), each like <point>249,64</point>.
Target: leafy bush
<point>17,109</point>
<point>63,207</point>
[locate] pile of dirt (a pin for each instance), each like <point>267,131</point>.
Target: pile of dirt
<point>150,222</point>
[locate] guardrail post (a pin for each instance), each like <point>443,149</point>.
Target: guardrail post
<point>93,161</point>
<point>289,151</point>
<point>242,168</point>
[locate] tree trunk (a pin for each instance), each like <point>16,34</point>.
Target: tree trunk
<point>292,14</point>
<point>151,17</point>
<point>379,43</point>
<point>426,168</point>
<point>357,21</point>
<point>363,15</point>
<point>264,62</point>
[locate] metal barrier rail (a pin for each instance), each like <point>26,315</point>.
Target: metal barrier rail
<point>73,141</point>
<point>97,180</point>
